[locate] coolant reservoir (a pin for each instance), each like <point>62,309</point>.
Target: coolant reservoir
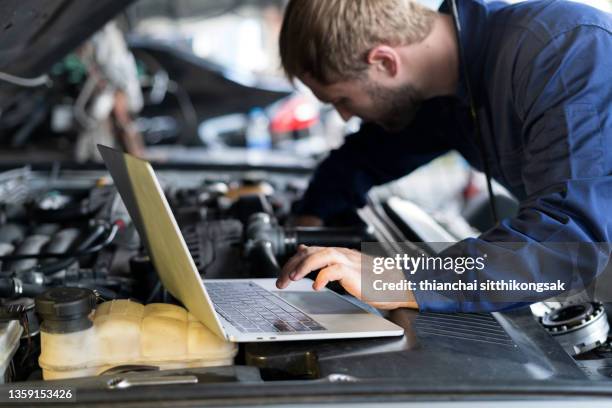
<point>77,341</point>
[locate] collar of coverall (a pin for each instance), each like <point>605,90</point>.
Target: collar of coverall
<point>472,15</point>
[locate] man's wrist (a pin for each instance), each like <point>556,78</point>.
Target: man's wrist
<point>411,303</point>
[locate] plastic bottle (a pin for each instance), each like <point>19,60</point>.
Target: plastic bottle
<point>258,130</point>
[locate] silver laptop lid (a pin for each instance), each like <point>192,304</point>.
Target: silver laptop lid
<point>145,201</point>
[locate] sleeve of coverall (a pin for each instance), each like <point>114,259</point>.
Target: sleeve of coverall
<point>368,158</point>
<point>563,96</point>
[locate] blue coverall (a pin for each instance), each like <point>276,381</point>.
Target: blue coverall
<point>541,72</point>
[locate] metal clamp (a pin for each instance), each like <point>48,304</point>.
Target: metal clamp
<point>147,381</point>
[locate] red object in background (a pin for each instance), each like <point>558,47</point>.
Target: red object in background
<point>296,113</point>
<point>470,190</point>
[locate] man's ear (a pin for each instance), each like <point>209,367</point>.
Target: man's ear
<point>384,59</point>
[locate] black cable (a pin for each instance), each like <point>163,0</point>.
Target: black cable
<point>112,232</point>
<point>473,112</point>
<point>9,288</point>
<point>262,255</point>
<point>57,266</point>
<point>103,292</point>
<point>65,263</point>
<point>154,292</point>
<point>109,239</point>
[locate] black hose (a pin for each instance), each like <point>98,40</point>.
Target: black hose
<point>31,290</point>
<point>109,239</point>
<point>8,286</point>
<point>330,237</point>
<point>57,266</point>
<point>112,232</point>
<point>262,256</point>
<point>154,293</point>
<point>63,264</point>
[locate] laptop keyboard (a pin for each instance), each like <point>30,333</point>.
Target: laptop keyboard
<point>252,309</point>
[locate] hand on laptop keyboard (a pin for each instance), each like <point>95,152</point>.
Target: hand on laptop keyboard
<point>335,264</point>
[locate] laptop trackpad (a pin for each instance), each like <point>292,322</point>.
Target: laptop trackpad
<point>320,302</point>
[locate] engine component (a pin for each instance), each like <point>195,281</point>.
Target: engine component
<point>247,206</point>
<point>56,206</point>
<point>9,342</point>
<point>53,200</point>
<point>578,327</point>
<point>31,245</point>
<point>249,188</point>
<point>261,254</point>
<point>214,245</point>
<point>61,242</point>
<point>84,247</point>
<point>46,229</point>
<point>5,249</point>
<point>14,185</point>
<point>13,287</point>
<point>144,273</point>
<point>22,310</point>
<point>266,240</point>
<point>284,241</point>
<point>123,332</point>
<point>65,310</point>
<point>12,234</point>
<point>321,236</point>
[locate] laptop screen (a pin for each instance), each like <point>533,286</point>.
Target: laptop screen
<point>145,201</point>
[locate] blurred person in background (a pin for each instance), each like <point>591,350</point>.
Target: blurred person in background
<point>110,96</point>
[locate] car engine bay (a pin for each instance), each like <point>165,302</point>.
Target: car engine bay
<point>69,228</point>
<point>234,152</point>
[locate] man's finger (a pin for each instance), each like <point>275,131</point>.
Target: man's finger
<point>283,281</point>
<point>330,274</point>
<point>317,260</point>
<point>294,260</point>
<point>303,252</point>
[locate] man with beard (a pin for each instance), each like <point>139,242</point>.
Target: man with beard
<point>540,78</point>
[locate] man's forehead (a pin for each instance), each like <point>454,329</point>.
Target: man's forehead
<point>319,89</point>
<point>324,92</point>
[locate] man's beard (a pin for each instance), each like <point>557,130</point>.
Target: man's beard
<point>397,108</point>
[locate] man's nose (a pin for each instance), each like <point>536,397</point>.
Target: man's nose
<point>345,114</point>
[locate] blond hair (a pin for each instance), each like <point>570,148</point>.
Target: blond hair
<point>330,39</point>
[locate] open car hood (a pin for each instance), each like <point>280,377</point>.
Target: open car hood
<point>34,34</point>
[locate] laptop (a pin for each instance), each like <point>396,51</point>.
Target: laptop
<point>239,310</point>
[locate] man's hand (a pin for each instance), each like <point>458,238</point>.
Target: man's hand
<point>335,264</point>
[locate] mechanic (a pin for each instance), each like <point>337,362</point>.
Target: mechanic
<point>541,79</point>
